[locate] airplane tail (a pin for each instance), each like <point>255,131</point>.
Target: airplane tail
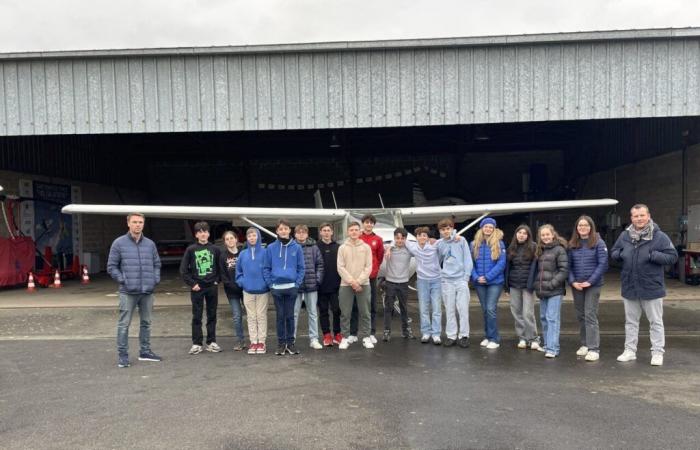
<point>418,195</point>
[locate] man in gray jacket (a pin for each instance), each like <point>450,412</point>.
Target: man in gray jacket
<point>134,264</point>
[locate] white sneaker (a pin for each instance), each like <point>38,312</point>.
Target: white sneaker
<point>367,342</point>
<point>534,345</point>
<point>484,343</point>
<point>344,344</point>
<point>550,355</point>
<point>352,339</point>
<point>213,347</point>
<point>195,350</point>
<point>522,343</point>
<point>592,356</point>
<point>437,340</point>
<point>372,339</point>
<point>657,359</point>
<point>582,351</point>
<point>627,355</point>
<point>425,338</point>
<point>491,345</point>
<point>316,345</point>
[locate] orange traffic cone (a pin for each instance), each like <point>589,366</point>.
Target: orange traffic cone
<point>86,277</point>
<point>56,280</point>
<point>30,283</point>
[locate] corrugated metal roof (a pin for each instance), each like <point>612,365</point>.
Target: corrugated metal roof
<point>568,76</point>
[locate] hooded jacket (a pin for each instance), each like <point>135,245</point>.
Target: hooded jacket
<point>486,267</point>
<point>643,264</point>
<point>227,268</point>
<point>549,274</point>
<point>249,268</point>
<point>314,269</point>
<point>455,259</point>
<point>284,264</point>
<point>354,262</point>
<point>331,278</point>
<point>376,244</point>
<point>588,264</point>
<point>134,265</point>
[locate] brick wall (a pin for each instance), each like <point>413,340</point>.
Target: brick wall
<point>655,182</point>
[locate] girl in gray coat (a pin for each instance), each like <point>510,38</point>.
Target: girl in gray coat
<point>548,279</point>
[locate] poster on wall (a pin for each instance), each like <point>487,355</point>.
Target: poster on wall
<point>42,220</point>
<point>51,227</point>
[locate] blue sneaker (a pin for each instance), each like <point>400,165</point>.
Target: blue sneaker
<point>149,356</point>
<point>123,361</point>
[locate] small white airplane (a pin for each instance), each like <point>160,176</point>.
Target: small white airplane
<point>387,218</point>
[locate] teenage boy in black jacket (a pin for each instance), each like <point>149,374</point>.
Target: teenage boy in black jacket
<point>200,270</point>
<point>328,290</point>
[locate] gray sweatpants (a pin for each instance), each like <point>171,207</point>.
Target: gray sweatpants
<point>586,303</point>
<point>346,296</point>
<point>522,306</point>
<point>654,310</point>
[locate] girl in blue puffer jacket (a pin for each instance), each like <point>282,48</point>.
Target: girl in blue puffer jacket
<point>588,261</point>
<point>489,253</point>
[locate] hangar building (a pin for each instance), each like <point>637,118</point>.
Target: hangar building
<point>487,119</point>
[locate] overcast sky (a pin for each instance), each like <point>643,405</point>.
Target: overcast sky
<point>33,25</point>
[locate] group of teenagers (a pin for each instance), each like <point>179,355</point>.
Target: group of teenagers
<point>342,280</point>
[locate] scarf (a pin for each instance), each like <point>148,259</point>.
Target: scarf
<point>646,233</point>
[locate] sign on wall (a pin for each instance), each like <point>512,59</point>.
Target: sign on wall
<point>42,219</point>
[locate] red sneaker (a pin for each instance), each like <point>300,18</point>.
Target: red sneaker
<point>338,337</point>
<point>253,349</point>
<point>261,349</point>
<point>327,340</point>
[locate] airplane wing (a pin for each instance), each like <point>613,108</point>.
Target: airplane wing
<point>433,214</point>
<point>262,216</point>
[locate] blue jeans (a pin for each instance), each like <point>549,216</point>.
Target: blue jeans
<point>127,305</point>
<point>455,296</point>
<point>429,307</point>
<point>237,313</point>
<point>311,299</point>
<point>488,297</point>
<point>284,304</point>
<point>550,316</point>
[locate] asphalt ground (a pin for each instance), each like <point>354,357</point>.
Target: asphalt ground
<point>60,387</point>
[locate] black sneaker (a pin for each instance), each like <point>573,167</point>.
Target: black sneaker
<point>464,342</point>
<point>281,349</point>
<point>408,334</point>
<point>292,349</point>
<point>149,356</point>
<point>448,342</point>
<point>123,361</point>
<point>387,336</point>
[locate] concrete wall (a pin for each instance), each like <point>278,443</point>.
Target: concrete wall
<point>98,231</point>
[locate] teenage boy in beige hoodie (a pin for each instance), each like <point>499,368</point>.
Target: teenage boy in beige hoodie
<point>354,268</point>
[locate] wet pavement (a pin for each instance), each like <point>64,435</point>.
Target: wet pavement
<point>60,387</point>
<point>69,394</point>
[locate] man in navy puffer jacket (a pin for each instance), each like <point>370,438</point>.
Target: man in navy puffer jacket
<point>134,263</point>
<point>644,250</point>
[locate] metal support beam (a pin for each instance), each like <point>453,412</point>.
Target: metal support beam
<point>471,224</point>
<point>260,227</point>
